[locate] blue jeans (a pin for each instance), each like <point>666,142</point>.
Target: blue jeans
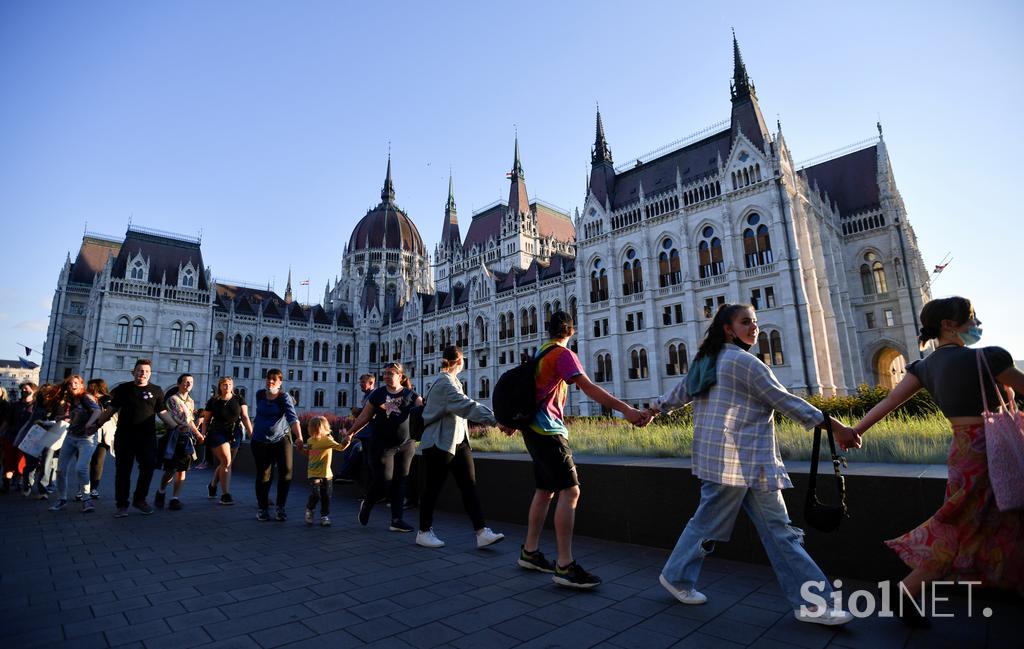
<point>75,452</point>
<point>713,521</point>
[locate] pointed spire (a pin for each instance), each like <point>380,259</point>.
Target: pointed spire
<point>387,195</point>
<point>450,205</point>
<point>741,86</point>
<point>601,152</point>
<point>450,234</point>
<point>518,200</point>
<point>288,288</point>
<point>517,167</point>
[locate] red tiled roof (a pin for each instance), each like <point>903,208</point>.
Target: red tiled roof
<point>91,259</point>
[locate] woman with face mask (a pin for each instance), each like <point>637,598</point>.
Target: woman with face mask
<point>968,538</point>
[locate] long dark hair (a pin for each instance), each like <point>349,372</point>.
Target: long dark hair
<point>714,338</point>
<point>958,309</point>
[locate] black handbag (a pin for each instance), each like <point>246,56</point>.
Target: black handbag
<point>818,515</point>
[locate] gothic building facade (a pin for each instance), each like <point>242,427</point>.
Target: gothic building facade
<point>825,253</point>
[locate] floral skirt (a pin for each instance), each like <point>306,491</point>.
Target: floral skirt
<point>968,538</point>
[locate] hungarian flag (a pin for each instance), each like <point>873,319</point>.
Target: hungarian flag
<point>939,268</point>
<point>304,282</point>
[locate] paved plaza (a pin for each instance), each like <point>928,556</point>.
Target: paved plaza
<point>213,576</point>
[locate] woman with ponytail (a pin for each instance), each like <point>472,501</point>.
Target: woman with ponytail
<point>736,457</point>
<point>968,538</point>
<point>445,446</point>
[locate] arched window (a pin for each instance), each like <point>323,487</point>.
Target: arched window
<point>236,345</point>
<point>318,399</point>
<point>291,349</point>
<point>339,353</point>
<point>218,343</point>
<point>138,270</point>
<point>638,368</point>
<point>524,322</point>
<point>247,351</point>
<point>390,298</point>
<point>598,282</point>
<point>485,388</point>
<point>533,319</point>
<point>669,270</point>
<point>872,275</point>
<point>138,327</point>
<point>501,326</point>
<point>710,253</point>
<point>572,309</point>
<point>188,278</point>
<point>190,336</point>
<point>373,352</point>
<point>316,351</point>
<point>176,334</point>
<point>348,353</point>
<point>275,348</point>
<point>265,347</point>
<point>866,283</point>
<point>302,350</point>
<point>776,346</point>
<point>677,361</point>
<point>897,270</point>
<point>547,314</point>
<point>878,274</point>
<point>481,330</point>
<point>757,245</point>
<point>123,326</point>
<point>763,349</point>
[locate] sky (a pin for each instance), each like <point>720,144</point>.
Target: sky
<point>265,127</point>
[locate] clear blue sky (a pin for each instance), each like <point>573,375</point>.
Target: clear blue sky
<point>265,125</point>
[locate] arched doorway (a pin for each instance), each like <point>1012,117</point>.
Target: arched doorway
<point>890,367</point>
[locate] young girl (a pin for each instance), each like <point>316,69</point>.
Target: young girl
<point>968,538</point>
<point>736,457</point>
<point>320,447</point>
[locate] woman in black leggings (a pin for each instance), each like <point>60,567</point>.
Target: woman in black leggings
<point>445,447</point>
<point>271,447</point>
<point>391,448</point>
<point>97,388</point>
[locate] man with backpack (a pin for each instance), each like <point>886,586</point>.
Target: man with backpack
<point>546,437</point>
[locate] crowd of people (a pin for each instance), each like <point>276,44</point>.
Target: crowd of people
<point>733,394</point>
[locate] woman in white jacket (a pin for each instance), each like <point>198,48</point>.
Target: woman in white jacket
<point>445,448</point>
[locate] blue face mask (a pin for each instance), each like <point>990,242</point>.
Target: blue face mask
<point>971,336</point>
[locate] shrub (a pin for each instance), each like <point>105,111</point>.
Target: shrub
<point>852,407</point>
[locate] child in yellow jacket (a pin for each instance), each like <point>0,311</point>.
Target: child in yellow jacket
<point>320,447</point>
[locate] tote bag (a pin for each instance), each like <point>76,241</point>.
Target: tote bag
<point>1004,444</point>
<point>41,437</point>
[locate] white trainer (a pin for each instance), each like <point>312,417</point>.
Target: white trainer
<point>487,537</point>
<point>428,539</point>
<point>828,617</point>
<point>692,596</point>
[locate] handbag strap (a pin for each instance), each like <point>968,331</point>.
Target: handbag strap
<point>983,363</point>
<point>836,459</point>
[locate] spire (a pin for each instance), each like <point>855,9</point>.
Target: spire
<point>450,228</point>
<point>288,288</point>
<point>742,87</point>
<point>601,152</point>
<point>518,200</point>
<point>450,205</point>
<point>387,195</point>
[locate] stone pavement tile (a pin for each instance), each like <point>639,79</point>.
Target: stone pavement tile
<point>388,588</point>
<point>137,632</point>
<point>375,609</point>
<point>106,586</point>
<point>392,642</point>
<point>670,625</point>
<point>37,638</point>
<point>488,615</point>
<point>613,620</point>
<point>573,635</point>
<point>195,618</point>
<point>950,632</point>
<point>249,592</point>
<point>331,586</point>
<point>332,603</point>
<point>872,633</point>
<point>283,634</point>
<point>176,595</point>
<point>206,601</point>
<point>252,623</point>
<point>95,624</point>
<point>485,639</point>
<point>768,602</point>
<point>644,607</point>
<point>436,610</point>
<point>78,601</point>
<point>451,587</point>
<point>492,593</point>
<point>801,634</point>
<point>178,640</point>
<point>268,602</point>
<point>558,613</point>
<point>221,584</point>
<point>160,611</point>
<point>119,606</point>
<point>334,621</point>
<point>237,642</point>
<point>284,581</point>
<point>752,615</point>
<point>524,628</point>
<point>373,630</point>
<point>429,635</point>
<point>703,641</point>
<point>637,638</point>
<point>146,588</point>
<point>589,600</point>
<point>91,641</point>
<point>732,630</point>
<point>332,640</point>
<point>544,596</point>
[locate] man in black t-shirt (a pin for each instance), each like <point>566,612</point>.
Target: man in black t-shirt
<point>137,404</point>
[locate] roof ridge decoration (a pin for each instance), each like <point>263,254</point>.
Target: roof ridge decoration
<point>601,152</point>
<point>741,86</point>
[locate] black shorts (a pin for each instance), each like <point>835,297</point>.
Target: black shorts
<point>553,468</point>
<point>180,461</point>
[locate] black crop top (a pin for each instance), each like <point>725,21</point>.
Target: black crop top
<point>950,374</point>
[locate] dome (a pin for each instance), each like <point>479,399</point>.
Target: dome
<point>386,226</point>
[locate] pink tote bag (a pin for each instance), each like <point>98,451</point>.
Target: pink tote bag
<point>1004,444</point>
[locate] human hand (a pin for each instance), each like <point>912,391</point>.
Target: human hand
<point>507,430</point>
<point>846,437</point>
<point>639,418</point>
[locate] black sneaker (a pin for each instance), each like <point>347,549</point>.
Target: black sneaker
<point>226,499</point>
<point>281,516</point>
<point>175,505</point>
<point>262,515</point>
<point>535,561</point>
<point>574,576</point>
<point>158,499</point>
<point>364,512</point>
<point>398,525</point>
<point>211,490</point>
<point>143,507</point>
<point>78,497</point>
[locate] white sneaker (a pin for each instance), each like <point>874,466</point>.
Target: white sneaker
<point>829,616</point>
<point>691,596</point>
<point>428,539</point>
<point>487,537</point>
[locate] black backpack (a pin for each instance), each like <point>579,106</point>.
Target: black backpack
<point>515,394</point>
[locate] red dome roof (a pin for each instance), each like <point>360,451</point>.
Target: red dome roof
<point>386,226</point>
